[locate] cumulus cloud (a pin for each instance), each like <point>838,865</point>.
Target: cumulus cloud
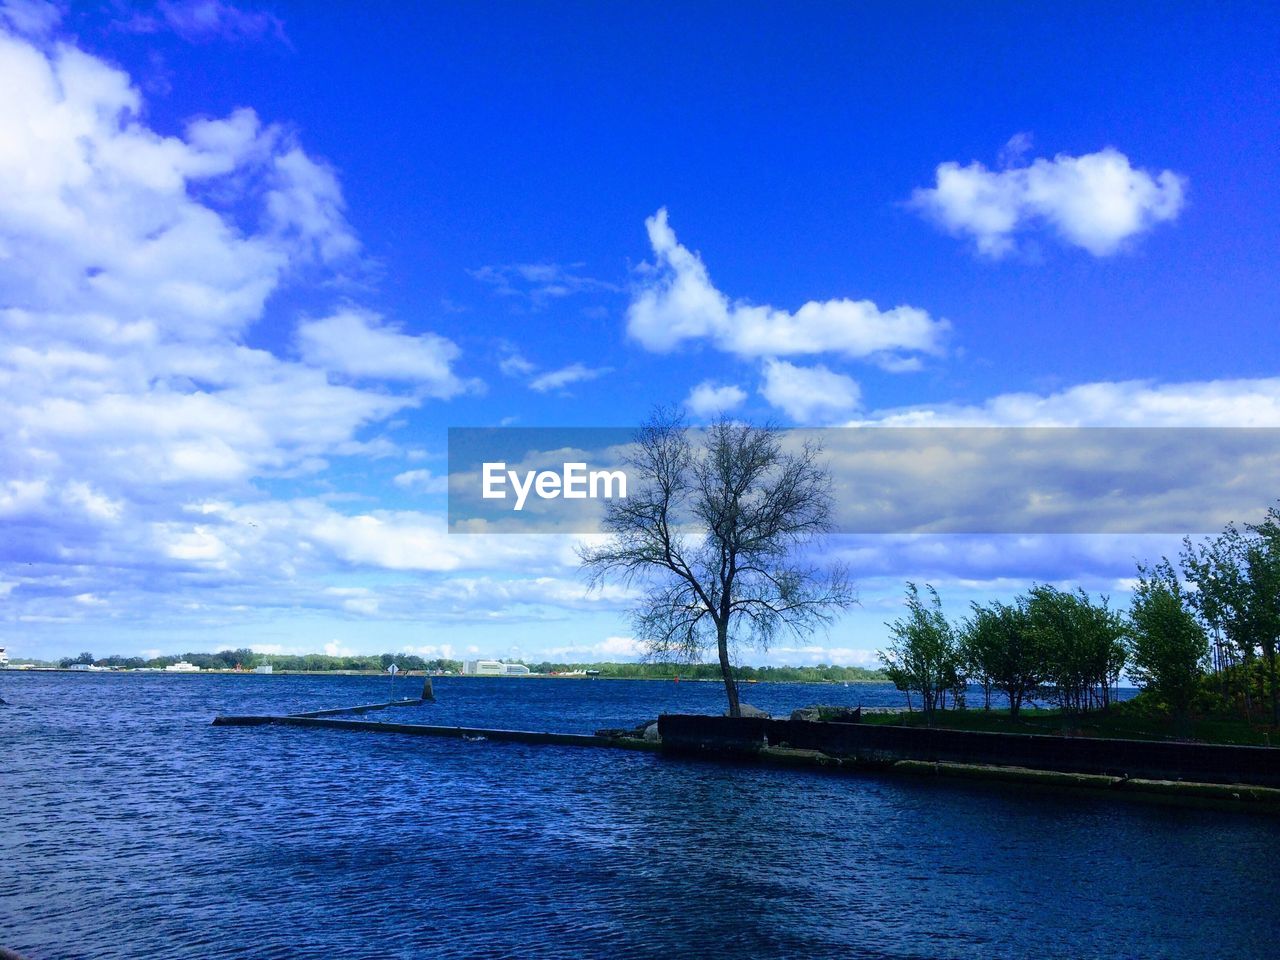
<point>113,227</point>
<point>359,343</point>
<point>708,400</point>
<point>1096,201</point>
<point>566,376</point>
<point>132,267</point>
<point>675,303</point>
<point>809,394</point>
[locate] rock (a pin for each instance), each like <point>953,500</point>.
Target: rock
<point>843,714</point>
<point>829,714</point>
<point>639,732</point>
<point>651,732</point>
<point>747,710</point>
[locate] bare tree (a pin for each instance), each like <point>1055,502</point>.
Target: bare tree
<point>715,531</point>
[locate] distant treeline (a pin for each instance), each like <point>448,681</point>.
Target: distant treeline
<point>711,671</point>
<point>247,659</point>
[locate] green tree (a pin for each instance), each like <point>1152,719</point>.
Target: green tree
<point>1082,644</point>
<point>1003,651</point>
<point>1262,561</point>
<point>1237,596</point>
<point>1168,645</point>
<point>924,654</point>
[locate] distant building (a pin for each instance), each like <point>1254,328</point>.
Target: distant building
<point>493,668</point>
<point>265,668</point>
<point>182,667</point>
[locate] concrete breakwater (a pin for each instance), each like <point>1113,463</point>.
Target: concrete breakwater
<point>1182,773</point>
<point>431,730</point>
<point>883,744</point>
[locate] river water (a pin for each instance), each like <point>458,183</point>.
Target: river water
<point>129,827</point>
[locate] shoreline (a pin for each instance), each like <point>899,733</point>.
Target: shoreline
<point>414,673</point>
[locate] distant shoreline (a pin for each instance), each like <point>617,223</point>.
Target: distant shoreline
<point>20,669</point>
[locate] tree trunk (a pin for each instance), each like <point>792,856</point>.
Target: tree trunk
<point>1275,693</point>
<point>726,670</point>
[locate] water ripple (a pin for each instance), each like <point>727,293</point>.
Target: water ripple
<point>133,829</point>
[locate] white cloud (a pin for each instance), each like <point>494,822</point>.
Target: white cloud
<point>620,647</point>
<point>559,379</point>
<point>306,202</point>
<point>707,399</point>
<point>809,394</point>
<point>421,481</point>
<point>676,303</point>
<point>433,651</point>
<point>357,343</point>
<point>1097,201</point>
<point>831,656</point>
<point>1127,403</point>
<point>540,283</point>
<point>135,422</point>
<point>609,648</point>
<point>33,18</point>
<point>198,21</point>
<point>515,365</point>
<point>1064,480</point>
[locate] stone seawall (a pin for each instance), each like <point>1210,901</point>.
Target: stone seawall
<point>877,743</point>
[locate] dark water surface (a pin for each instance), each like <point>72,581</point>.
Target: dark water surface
<point>129,827</point>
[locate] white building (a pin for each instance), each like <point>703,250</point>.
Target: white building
<point>264,668</point>
<point>493,668</point>
<point>182,667</point>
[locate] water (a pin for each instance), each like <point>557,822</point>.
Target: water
<point>129,827</point>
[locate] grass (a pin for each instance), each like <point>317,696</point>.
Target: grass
<point>1121,721</point>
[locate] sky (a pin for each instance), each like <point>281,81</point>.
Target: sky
<point>255,260</point>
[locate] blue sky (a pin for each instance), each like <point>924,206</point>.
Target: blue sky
<point>256,259</point>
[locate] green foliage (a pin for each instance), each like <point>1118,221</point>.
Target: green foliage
<point>924,654</point>
<point>1001,650</point>
<point>1051,642</point>
<point>1167,645</point>
<point>1237,598</point>
<point>1082,644</point>
<point>1142,718</point>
